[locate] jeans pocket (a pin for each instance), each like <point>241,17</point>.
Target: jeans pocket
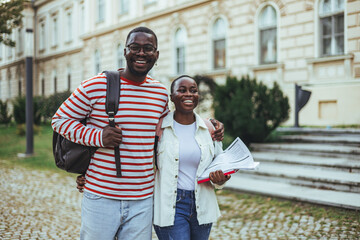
<point>91,196</point>
<point>178,198</point>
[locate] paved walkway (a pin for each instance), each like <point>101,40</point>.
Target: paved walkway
<point>43,205</point>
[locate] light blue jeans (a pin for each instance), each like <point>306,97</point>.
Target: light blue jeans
<point>104,218</point>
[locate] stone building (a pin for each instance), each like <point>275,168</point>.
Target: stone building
<point>314,43</point>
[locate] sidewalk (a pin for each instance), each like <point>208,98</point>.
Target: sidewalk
<point>42,205</point>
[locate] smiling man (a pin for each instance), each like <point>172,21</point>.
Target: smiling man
<point>119,206</point>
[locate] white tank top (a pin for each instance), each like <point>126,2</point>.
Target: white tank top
<point>189,155</point>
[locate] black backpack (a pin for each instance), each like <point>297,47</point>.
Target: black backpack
<point>75,158</point>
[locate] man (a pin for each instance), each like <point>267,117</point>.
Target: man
<point>119,206</point>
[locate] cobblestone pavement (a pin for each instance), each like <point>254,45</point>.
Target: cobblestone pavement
<point>38,204</point>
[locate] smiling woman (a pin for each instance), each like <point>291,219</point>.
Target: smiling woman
<point>184,209</point>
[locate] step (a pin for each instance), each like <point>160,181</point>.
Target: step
<point>309,173</point>
<point>288,191</point>
<point>343,164</point>
<point>325,150</point>
<point>303,130</point>
<point>351,139</point>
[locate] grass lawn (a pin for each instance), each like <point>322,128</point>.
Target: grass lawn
<point>11,144</point>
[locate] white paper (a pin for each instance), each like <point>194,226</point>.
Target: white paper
<point>236,157</point>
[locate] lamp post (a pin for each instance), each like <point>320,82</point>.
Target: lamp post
<point>29,113</point>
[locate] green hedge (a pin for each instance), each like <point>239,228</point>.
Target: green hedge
<point>249,109</point>
<point>44,107</point>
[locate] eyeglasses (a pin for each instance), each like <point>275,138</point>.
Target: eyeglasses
<point>147,49</point>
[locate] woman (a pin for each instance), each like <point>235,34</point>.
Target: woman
<point>184,209</point>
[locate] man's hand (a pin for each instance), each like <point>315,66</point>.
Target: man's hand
<point>80,181</point>
<point>218,134</point>
<point>112,136</point>
<point>218,177</point>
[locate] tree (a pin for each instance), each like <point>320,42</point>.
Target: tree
<point>249,109</point>
<point>10,19</point>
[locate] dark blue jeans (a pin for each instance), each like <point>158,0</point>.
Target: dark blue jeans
<point>186,225</point>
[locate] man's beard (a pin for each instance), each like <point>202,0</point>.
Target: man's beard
<point>138,73</point>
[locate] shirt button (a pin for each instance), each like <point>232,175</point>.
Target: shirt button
<point>175,176</point>
<point>176,159</point>
<point>174,206</point>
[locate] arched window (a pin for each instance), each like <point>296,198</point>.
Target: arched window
<point>97,60</point>
<point>268,35</point>
<point>180,42</point>
<point>219,44</point>
<point>120,59</point>
<point>331,14</point>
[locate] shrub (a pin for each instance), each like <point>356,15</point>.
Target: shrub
<point>5,118</point>
<point>21,129</point>
<point>249,109</point>
<point>19,111</point>
<point>52,103</point>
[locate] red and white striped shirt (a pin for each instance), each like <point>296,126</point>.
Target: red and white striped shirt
<point>140,107</point>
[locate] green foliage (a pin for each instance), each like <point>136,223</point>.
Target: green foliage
<point>249,109</point>
<point>52,103</point>
<point>44,107</point>
<point>21,129</point>
<point>10,19</point>
<point>19,110</point>
<point>5,118</point>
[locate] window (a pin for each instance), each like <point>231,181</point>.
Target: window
<point>69,78</point>
<point>42,84</point>
<point>331,13</point>
<point>20,43</point>
<point>82,18</point>
<point>120,59</point>
<point>219,44</point>
<point>268,35</point>
<point>55,32</point>
<point>180,39</point>
<point>9,83</point>
<point>19,85</point>
<point>68,26</point>
<point>9,52</point>
<point>123,6</point>
<point>101,10</point>
<point>97,62</point>
<point>42,36</point>
<point>55,81</point>
<point>147,2</point>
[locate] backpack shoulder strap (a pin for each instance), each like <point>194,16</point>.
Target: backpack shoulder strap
<point>113,87</point>
<point>112,93</point>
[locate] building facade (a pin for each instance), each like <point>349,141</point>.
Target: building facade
<point>312,43</point>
